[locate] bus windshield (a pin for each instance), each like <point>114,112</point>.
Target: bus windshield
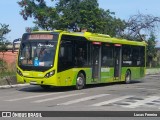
<point>38,54</point>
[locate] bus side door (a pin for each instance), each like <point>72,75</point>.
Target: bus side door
<point>117,61</point>
<point>65,63</point>
<point>96,66</point>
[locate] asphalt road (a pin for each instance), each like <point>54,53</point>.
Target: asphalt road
<point>141,95</point>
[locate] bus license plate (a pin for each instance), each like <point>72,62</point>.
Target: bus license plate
<point>33,83</point>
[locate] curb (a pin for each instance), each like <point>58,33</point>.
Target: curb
<point>152,71</point>
<point>13,86</point>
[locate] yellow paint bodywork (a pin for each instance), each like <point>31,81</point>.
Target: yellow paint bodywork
<point>68,77</point>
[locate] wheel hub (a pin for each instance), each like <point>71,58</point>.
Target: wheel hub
<point>80,81</point>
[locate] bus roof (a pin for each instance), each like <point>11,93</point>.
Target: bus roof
<point>95,37</point>
<point>100,38</point>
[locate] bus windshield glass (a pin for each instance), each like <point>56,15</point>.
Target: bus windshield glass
<point>35,54</point>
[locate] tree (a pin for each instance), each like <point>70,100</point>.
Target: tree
<point>3,41</point>
<point>139,25</point>
<point>30,29</point>
<point>110,24</point>
<point>44,16</point>
<point>77,14</point>
<point>73,15</point>
<point>151,50</point>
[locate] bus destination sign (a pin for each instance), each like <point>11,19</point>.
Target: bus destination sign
<point>40,37</point>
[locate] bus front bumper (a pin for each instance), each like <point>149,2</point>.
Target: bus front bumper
<point>38,81</point>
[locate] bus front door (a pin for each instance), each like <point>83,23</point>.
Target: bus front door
<point>117,62</point>
<point>96,62</point>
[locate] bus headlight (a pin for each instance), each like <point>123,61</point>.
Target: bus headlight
<point>19,72</point>
<point>49,74</point>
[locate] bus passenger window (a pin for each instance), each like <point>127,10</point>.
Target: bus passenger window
<point>65,56</point>
<point>80,60</point>
<point>80,53</point>
<point>61,54</point>
<point>107,56</point>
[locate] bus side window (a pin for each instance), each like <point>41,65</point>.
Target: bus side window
<point>142,56</point>
<point>79,58</point>
<point>61,54</point>
<point>65,56</point>
<point>80,53</point>
<point>107,56</point>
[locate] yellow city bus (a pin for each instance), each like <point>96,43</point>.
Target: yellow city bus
<point>61,58</point>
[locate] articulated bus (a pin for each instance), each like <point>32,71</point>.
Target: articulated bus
<point>61,58</point>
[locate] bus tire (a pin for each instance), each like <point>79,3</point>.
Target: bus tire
<point>80,81</point>
<point>128,77</point>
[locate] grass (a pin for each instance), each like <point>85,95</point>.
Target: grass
<point>7,72</point>
<point>7,69</point>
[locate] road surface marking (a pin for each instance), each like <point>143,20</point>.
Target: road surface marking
<point>59,97</point>
<point>142,102</point>
<point>111,101</point>
<point>140,88</point>
<point>83,99</point>
<point>8,94</point>
<point>12,86</point>
<point>35,96</point>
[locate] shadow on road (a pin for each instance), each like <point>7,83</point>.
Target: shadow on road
<point>35,88</point>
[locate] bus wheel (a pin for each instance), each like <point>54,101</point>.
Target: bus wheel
<point>46,87</point>
<point>128,77</point>
<point>80,82</point>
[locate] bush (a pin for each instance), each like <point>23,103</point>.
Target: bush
<point>2,62</point>
<point>2,65</point>
<point>7,69</point>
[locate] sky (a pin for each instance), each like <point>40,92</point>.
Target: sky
<point>9,13</point>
